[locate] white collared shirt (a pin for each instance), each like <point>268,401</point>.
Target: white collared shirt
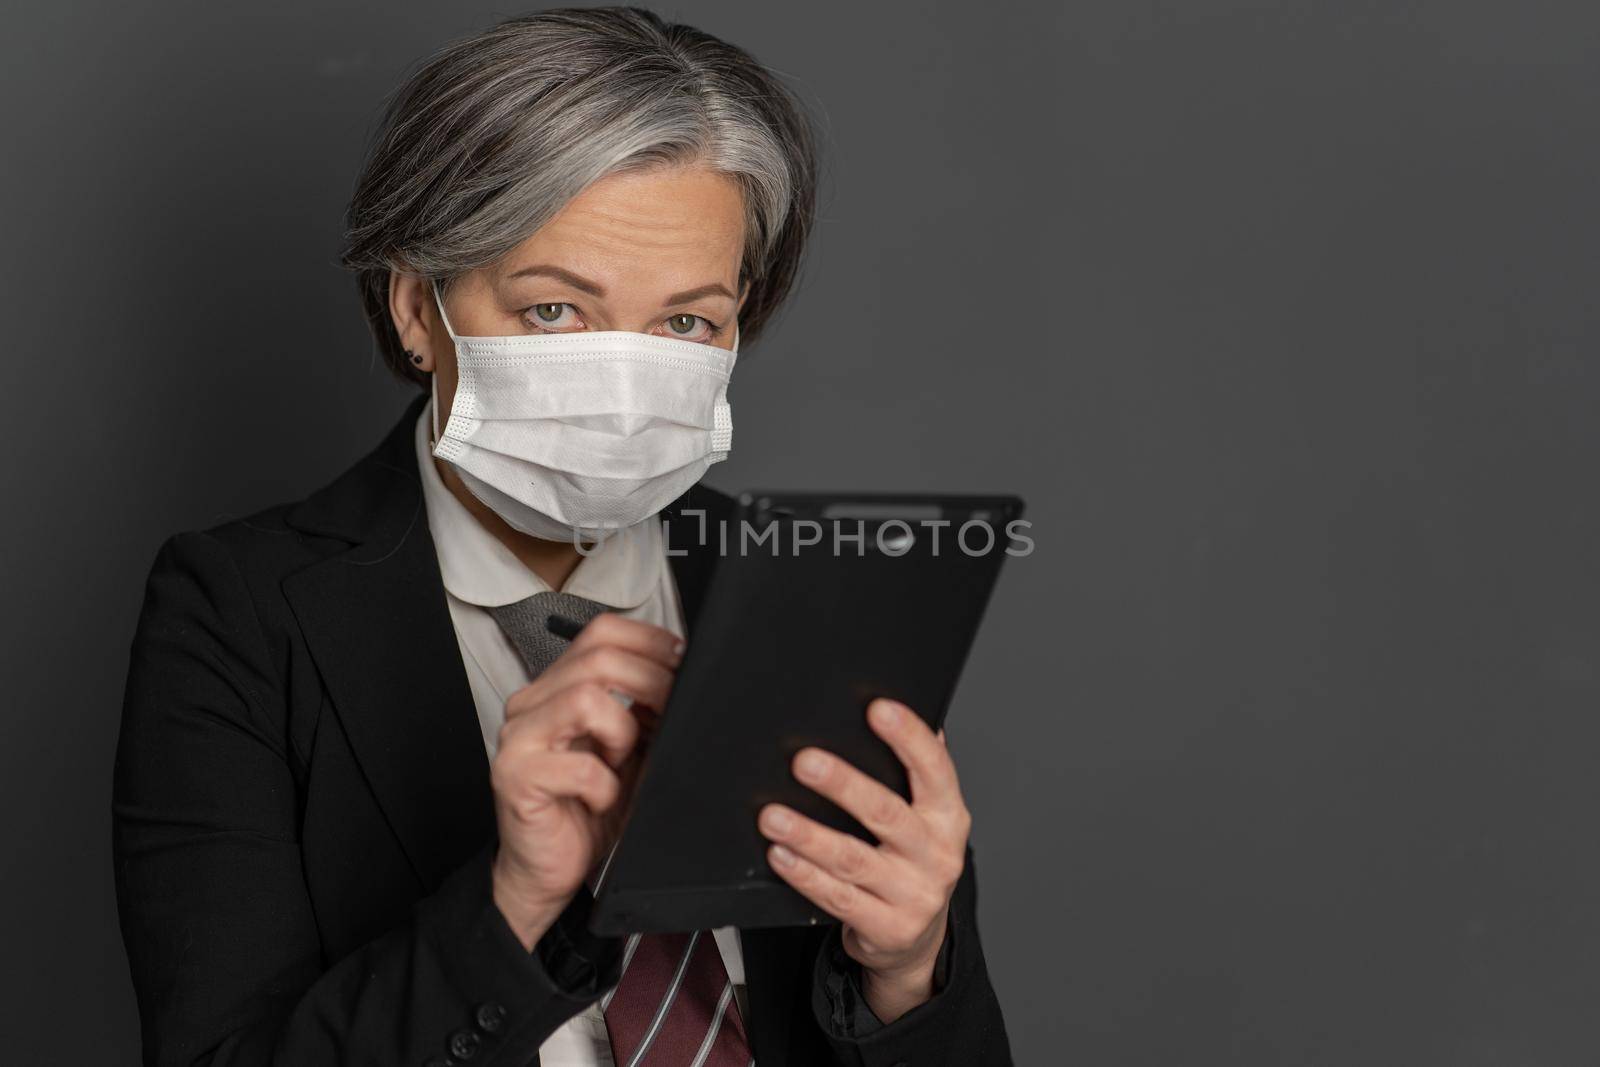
<point>629,573</point>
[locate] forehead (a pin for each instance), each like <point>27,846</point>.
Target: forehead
<point>667,223</point>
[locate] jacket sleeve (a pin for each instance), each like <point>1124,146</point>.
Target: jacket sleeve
<point>960,1023</point>
<point>222,943</point>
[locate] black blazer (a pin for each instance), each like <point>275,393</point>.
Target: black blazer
<point>303,821</point>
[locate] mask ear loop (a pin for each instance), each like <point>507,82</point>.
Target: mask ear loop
<point>439,303</point>
<point>433,392</point>
<point>433,379</point>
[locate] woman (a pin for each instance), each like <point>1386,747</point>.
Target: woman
<point>359,802</point>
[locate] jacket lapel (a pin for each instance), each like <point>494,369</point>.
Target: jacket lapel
<point>375,619</point>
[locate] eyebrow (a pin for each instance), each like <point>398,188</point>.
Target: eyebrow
<point>579,282</point>
<point>714,289</point>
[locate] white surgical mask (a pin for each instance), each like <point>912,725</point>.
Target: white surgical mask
<point>576,435</point>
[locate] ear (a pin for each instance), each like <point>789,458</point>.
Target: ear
<point>416,322</point>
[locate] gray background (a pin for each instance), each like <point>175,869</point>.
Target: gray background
<point>1280,315</point>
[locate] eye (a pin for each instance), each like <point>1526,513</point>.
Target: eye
<point>552,317</point>
<point>687,327</point>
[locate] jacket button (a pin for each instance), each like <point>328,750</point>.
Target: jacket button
<point>464,1044</point>
<point>491,1017</point>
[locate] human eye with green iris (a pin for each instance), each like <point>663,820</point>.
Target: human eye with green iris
<point>686,327</point>
<point>556,318</point>
<point>561,317</point>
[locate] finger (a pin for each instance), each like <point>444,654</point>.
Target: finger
<point>580,713</point>
<point>529,778</point>
<point>927,762</point>
<point>641,638</point>
<point>638,677</point>
<point>845,856</point>
<point>876,920</point>
<point>874,805</point>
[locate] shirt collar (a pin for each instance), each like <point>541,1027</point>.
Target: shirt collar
<point>476,567</point>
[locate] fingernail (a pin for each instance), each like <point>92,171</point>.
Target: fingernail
<point>811,764</point>
<point>782,856</point>
<point>886,712</point>
<point>778,821</point>
<point>678,648</point>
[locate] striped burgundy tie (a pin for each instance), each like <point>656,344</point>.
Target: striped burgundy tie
<point>674,1006</point>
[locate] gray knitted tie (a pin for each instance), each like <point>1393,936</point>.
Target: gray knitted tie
<point>526,623</point>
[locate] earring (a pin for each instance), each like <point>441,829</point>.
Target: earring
<point>414,357</point>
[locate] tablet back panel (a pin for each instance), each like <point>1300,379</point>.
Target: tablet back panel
<point>792,642</point>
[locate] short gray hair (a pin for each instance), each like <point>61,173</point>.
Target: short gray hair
<point>493,135</point>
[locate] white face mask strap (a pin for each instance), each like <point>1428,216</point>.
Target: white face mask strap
<point>434,377</point>
<point>433,388</point>
<point>439,301</point>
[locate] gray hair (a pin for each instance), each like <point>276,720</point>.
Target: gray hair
<point>490,138</point>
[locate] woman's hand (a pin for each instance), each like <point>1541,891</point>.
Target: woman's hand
<point>567,763</point>
<point>893,899</point>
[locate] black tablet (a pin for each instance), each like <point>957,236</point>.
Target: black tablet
<point>817,605</point>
